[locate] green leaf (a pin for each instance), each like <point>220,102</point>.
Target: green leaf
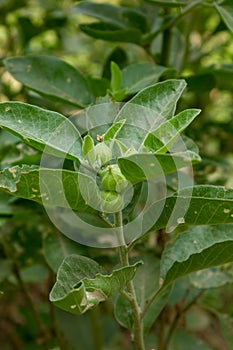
<point>42,129</point>
<point>161,139</point>
<point>116,77</point>
<point>56,247</point>
<point>113,131</point>
<point>142,167</point>
<point>96,120</point>
<point>121,17</point>
<point>138,76</point>
<point>50,187</point>
<point>51,77</point>
<point>148,109</point>
<point>198,248</point>
<point>82,283</point>
<point>198,205</point>
<point>88,149</point>
<point>110,32</point>
<point>211,278</point>
<point>168,3</point>
<point>97,86</point>
<point>225,9</point>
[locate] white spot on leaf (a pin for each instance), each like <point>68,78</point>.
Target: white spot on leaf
<point>7,109</point>
<point>73,306</point>
<point>226,211</point>
<point>180,220</point>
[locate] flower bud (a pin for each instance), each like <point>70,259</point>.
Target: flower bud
<point>112,202</point>
<point>113,179</point>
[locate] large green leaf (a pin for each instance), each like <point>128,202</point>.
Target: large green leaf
<point>120,16</point>
<point>198,248</point>
<point>148,109</point>
<point>144,166</point>
<point>51,77</point>
<point>42,129</point>
<point>51,187</point>
<point>200,205</point>
<point>110,32</point>
<point>82,283</point>
<point>225,9</point>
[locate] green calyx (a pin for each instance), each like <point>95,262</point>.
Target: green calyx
<point>113,179</point>
<point>112,202</point>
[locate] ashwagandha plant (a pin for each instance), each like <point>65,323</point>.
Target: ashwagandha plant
<point>111,176</point>
<point>113,170</point>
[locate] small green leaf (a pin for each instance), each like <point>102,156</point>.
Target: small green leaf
<point>42,129</point>
<point>110,32</point>
<point>198,248</point>
<point>82,283</point>
<point>113,131</point>
<point>161,139</point>
<point>116,77</point>
<point>225,9</point>
<point>89,149</point>
<point>51,77</point>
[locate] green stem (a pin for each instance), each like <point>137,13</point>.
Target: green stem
<point>149,37</point>
<point>136,311</point>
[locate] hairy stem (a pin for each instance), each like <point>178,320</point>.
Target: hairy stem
<point>124,258</point>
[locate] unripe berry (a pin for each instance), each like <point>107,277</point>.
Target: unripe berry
<point>103,154</point>
<point>112,202</point>
<point>113,179</point>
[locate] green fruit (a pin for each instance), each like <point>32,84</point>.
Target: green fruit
<point>112,202</point>
<point>103,154</point>
<point>113,179</point>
